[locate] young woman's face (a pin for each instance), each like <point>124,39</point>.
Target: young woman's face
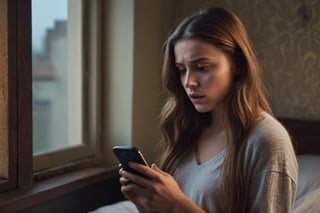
<point>206,73</point>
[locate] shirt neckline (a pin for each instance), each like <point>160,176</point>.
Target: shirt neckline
<point>212,160</point>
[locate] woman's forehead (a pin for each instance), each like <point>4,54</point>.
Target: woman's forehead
<point>192,50</point>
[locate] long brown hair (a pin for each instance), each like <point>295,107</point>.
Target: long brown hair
<point>182,125</point>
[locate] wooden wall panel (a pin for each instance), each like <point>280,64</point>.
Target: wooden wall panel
<point>305,135</point>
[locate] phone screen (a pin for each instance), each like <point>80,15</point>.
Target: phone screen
<point>125,154</point>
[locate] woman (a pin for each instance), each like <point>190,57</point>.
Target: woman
<point>223,149</point>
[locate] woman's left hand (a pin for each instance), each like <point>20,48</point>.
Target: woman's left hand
<point>160,191</point>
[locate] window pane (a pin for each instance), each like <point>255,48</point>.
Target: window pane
<point>57,74</point>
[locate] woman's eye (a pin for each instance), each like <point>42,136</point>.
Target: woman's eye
<point>203,68</point>
<point>181,70</point>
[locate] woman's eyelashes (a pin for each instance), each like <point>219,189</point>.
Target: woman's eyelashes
<point>196,67</point>
<point>203,67</point>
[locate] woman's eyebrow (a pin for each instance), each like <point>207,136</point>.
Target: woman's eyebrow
<point>195,60</point>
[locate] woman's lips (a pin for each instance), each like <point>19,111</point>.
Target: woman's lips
<point>196,99</point>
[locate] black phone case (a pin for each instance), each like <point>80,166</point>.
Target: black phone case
<point>125,154</point>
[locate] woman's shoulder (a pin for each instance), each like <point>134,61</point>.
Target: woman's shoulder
<point>268,130</point>
<point>269,146</point>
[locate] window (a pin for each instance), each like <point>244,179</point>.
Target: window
<point>56,75</point>
<point>59,83</point>
<point>49,92</point>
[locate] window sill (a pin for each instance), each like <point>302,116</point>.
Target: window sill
<point>44,190</point>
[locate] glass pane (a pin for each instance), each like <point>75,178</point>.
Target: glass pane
<point>57,74</point>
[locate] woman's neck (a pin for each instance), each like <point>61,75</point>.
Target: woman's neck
<point>213,139</point>
<point>219,121</point>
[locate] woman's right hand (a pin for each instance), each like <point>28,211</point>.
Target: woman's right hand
<point>158,193</point>
<point>139,201</point>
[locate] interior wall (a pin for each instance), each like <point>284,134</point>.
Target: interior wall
<point>286,36</point>
<point>117,73</point>
<point>151,22</point>
<point>133,33</point>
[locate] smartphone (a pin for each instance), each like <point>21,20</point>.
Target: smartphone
<point>125,154</point>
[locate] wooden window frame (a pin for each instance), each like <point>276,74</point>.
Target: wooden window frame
<point>22,187</point>
<point>15,71</point>
<point>8,109</point>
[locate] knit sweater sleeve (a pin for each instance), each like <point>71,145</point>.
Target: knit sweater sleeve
<point>271,168</point>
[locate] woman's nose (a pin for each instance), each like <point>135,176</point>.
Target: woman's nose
<point>190,80</point>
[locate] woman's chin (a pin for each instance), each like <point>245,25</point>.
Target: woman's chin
<point>203,109</point>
